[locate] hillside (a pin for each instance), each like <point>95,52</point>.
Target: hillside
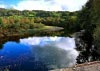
<point>12,20</point>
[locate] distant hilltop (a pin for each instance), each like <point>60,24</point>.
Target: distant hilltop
<point>88,66</point>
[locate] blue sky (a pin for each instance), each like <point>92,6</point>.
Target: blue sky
<point>48,5</point>
<point>9,2</point>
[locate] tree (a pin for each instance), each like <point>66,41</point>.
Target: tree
<point>96,20</point>
<point>85,21</point>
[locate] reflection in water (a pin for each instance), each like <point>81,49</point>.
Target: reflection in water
<point>38,53</point>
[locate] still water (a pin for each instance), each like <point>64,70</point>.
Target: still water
<point>38,54</point>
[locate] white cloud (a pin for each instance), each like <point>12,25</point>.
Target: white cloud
<point>2,6</point>
<point>50,5</point>
<point>54,52</point>
<point>29,5</point>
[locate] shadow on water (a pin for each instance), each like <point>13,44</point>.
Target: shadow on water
<point>16,38</point>
<point>1,46</point>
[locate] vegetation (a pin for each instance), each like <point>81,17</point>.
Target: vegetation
<point>89,19</point>
<point>96,20</point>
<point>19,21</point>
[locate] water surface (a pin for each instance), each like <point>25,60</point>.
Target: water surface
<point>38,53</point>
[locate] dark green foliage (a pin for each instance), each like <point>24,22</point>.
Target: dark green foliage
<point>96,19</point>
<point>89,21</point>
<point>86,24</point>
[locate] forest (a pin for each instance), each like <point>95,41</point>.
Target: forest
<point>37,22</point>
<point>19,21</point>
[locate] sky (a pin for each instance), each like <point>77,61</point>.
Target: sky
<point>47,5</point>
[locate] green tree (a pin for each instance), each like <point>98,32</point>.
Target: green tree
<point>96,19</point>
<point>85,21</point>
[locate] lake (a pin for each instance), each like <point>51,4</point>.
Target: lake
<point>38,54</point>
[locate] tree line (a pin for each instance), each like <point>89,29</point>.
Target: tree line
<point>14,20</point>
